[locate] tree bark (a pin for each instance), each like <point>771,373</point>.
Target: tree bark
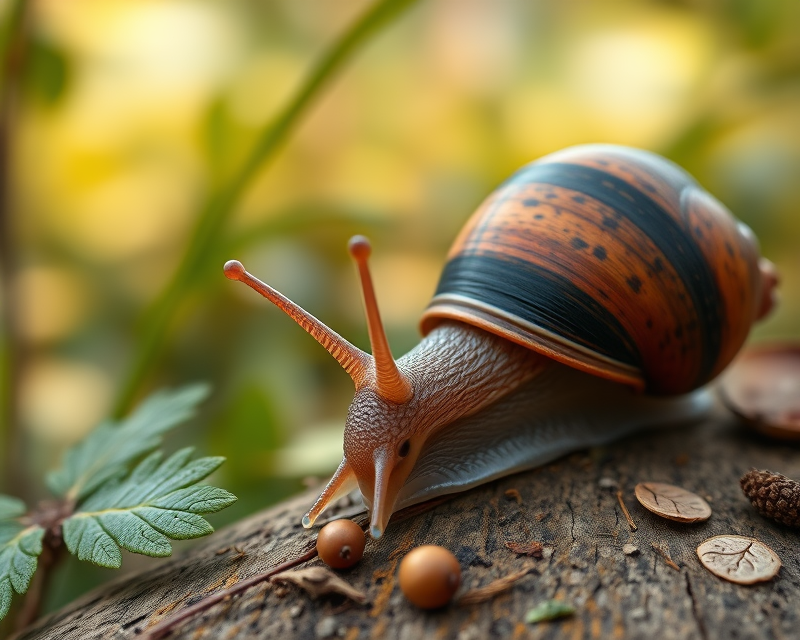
<point>570,506</point>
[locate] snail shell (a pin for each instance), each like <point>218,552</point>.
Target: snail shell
<point>611,260</point>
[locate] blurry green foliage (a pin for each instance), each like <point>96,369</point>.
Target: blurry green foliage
<point>47,72</point>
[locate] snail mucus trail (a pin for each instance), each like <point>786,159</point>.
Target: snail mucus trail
<point>478,399</point>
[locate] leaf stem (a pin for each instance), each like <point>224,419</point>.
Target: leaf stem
<point>51,555</point>
<point>214,213</point>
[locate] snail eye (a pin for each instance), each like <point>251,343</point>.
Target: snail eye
<point>404,448</point>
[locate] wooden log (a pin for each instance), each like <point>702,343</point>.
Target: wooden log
<point>570,506</point>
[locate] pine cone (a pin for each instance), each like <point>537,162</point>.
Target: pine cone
<point>773,495</point>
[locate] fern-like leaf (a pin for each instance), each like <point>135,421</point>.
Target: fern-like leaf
<point>159,501</point>
<point>20,546</point>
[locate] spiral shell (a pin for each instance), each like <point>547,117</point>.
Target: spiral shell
<point>611,260</point>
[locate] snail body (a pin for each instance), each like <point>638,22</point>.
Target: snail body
<point>594,292</point>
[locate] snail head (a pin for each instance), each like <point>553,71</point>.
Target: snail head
<point>379,453</point>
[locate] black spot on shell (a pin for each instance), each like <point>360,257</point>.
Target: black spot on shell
<point>538,216</point>
<point>649,323</point>
<point>729,249</point>
<point>679,332</point>
<point>610,223</point>
<point>634,283</point>
<point>579,243</point>
<point>658,265</point>
<point>579,199</point>
<point>531,202</point>
<point>600,252</point>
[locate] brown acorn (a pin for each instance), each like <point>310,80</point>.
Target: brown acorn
<point>773,495</point>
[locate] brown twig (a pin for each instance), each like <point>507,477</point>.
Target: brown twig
<point>494,588</point>
<point>661,549</point>
<point>166,626</point>
<point>631,523</point>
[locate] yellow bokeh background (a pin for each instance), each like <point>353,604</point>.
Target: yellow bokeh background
<point>142,108</point>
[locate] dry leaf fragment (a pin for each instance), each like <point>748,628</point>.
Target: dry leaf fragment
<point>671,502</point>
<point>630,550</point>
<point>318,581</point>
<point>773,495</point>
<point>496,587</point>
<point>513,494</point>
<point>763,388</point>
<point>532,548</point>
<point>739,559</point>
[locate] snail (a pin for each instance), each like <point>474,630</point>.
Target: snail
<point>595,292</point>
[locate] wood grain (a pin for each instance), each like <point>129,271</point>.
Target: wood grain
<point>563,505</point>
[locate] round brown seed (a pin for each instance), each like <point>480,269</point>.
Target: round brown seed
<point>340,544</point>
<point>429,576</point>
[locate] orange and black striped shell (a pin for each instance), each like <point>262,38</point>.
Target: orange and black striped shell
<point>609,259</point>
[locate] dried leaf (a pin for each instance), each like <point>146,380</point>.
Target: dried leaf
<point>674,503</point>
<point>494,588</point>
<point>318,581</point>
<point>763,388</point>
<point>549,610</point>
<point>739,559</point>
<point>532,548</point>
<point>513,494</point>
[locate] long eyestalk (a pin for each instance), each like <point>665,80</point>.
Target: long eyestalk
<point>390,382</point>
<point>352,359</point>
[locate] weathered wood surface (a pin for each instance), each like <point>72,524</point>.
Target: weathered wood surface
<point>564,505</point>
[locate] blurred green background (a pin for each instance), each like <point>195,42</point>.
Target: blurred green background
<point>130,115</point>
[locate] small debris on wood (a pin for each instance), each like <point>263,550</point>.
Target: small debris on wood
<point>607,483</point>
<point>494,588</point>
<point>773,495</point>
<point>326,628</point>
<point>662,549</point>
<point>513,494</point>
<point>739,559</point>
<point>318,581</point>
<point>549,610</point>
<point>532,548</point>
<point>630,550</point>
<point>296,610</point>
<point>671,502</point>
<point>631,523</point>
<point>682,459</point>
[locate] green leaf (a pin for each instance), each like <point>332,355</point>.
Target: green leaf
<point>108,450</point>
<point>11,507</point>
<point>549,610</point>
<point>20,546</point>
<point>157,502</point>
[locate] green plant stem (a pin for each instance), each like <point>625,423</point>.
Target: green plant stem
<point>12,48</point>
<point>213,216</point>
